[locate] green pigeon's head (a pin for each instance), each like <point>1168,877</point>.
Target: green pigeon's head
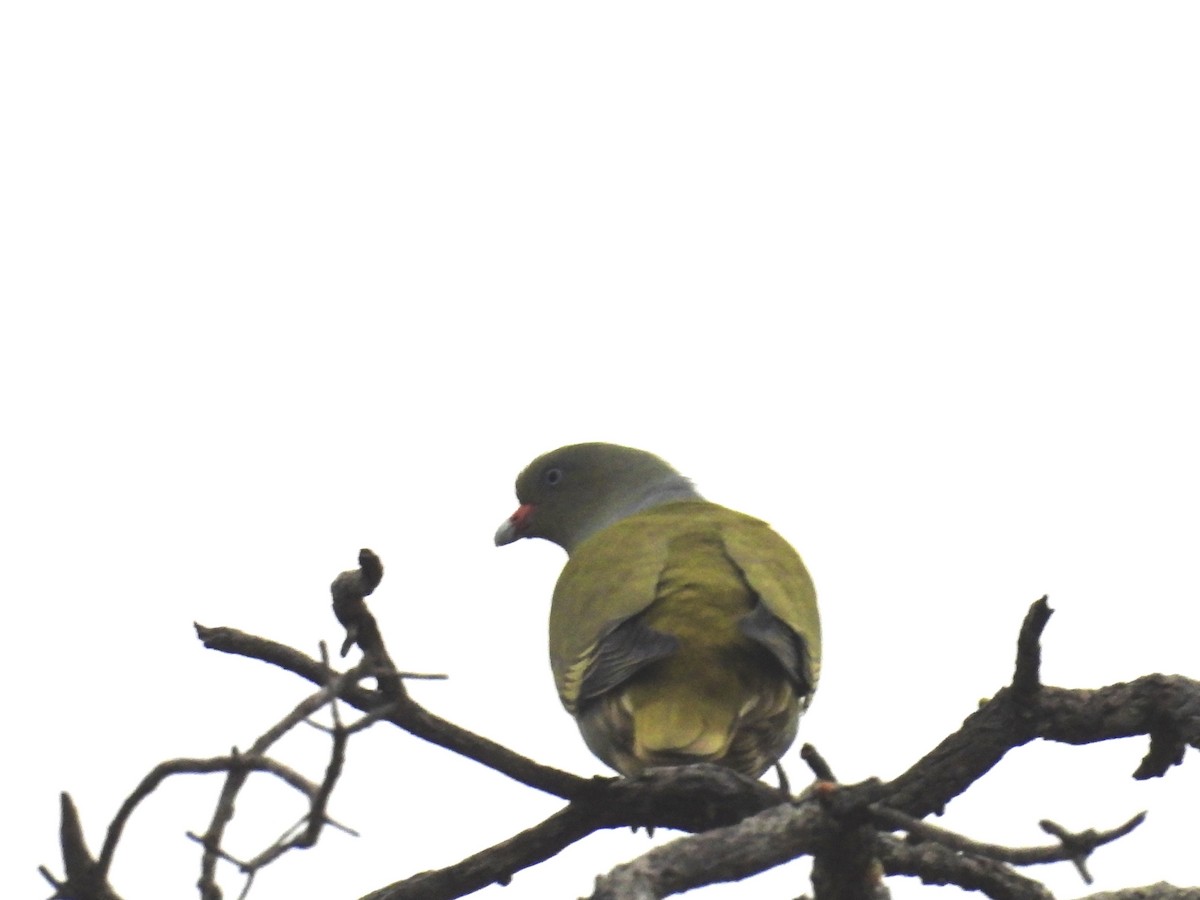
<point>571,493</point>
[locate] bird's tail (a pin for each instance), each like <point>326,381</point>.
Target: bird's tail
<point>677,722</point>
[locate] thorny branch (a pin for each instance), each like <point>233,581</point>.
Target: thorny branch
<point>739,827</point>
<point>87,877</point>
<point>212,839</point>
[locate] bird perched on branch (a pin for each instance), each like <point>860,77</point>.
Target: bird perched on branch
<point>680,631</point>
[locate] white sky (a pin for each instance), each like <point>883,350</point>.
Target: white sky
<point>914,282</point>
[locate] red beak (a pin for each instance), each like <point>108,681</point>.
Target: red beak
<point>513,528</point>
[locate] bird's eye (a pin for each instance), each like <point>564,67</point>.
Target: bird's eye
<point>552,476</point>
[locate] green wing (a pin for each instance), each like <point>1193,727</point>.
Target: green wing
<point>777,575</point>
<point>614,575</point>
<point>611,577</point>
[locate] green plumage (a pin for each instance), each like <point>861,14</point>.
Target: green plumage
<point>680,631</point>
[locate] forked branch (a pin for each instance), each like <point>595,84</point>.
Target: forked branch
<point>738,826</point>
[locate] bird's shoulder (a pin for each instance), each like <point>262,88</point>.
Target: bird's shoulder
<point>615,572</point>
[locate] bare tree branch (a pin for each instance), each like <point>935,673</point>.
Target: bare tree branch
<point>406,713</point>
<point>212,839</point>
<point>739,826</point>
<point>841,845</point>
<point>85,878</point>
<point>939,865</point>
<point>760,842</point>
<point>1071,847</point>
<point>1160,891</point>
<point>1156,705</point>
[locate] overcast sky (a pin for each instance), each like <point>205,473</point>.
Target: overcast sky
<point>916,283</point>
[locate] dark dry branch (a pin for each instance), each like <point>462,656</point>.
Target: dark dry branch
<point>939,865</point>
<point>164,770</point>
<point>405,713</point>
<point>740,826</point>
<point>212,839</point>
<point>85,879</point>
<point>820,769</point>
<point>733,852</point>
<point>316,817</point>
<point>350,590</point>
<point>1160,891</point>
<point>1077,847</point>
<point>1016,715</point>
<point>1027,676</point>
<point>845,864</point>
<point>847,861</point>
<point>689,798</point>
<point>497,864</point>
<point>783,833</point>
<point>1072,847</point>
<point>1150,705</point>
<point>88,878</point>
<point>1011,719</point>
